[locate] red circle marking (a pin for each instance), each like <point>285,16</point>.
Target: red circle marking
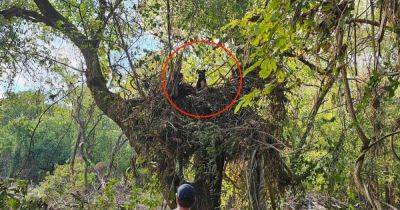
<point>164,80</point>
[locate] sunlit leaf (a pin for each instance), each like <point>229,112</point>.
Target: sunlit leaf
<point>267,67</point>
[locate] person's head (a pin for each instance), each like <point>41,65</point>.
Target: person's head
<point>185,196</point>
<point>202,74</point>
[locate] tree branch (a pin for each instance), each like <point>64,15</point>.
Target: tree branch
<point>22,13</point>
<point>104,19</point>
<point>382,138</point>
<point>370,22</point>
<point>351,110</point>
<point>54,19</point>
<point>110,103</point>
<point>302,59</point>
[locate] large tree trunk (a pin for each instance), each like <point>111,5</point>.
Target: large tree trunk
<point>208,183</point>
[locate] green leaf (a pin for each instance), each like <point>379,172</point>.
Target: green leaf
<point>230,25</point>
<point>251,68</point>
<point>280,76</point>
<point>282,43</point>
<point>267,67</point>
<point>247,99</point>
<point>262,27</point>
<point>256,41</point>
<point>237,107</point>
<point>291,63</point>
<point>157,58</point>
<point>268,88</point>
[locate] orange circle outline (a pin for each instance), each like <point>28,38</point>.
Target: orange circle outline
<point>164,80</point>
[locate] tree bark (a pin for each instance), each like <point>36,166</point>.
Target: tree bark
<point>208,183</point>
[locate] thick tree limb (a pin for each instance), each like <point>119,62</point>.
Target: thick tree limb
<point>110,103</point>
<point>22,13</point>
<point>54,19</point>
<point>365,21</point>
<point>361,134</point>
<point>48,16</point>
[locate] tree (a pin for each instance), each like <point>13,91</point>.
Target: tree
<point>20,115</point>
<point>293,52</point>
<point>208,177</point>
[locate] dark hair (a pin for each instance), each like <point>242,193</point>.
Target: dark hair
<point>202,73</point>
<point>186,195</point>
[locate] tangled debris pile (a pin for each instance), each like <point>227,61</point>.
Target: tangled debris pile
<point>196,144</point>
